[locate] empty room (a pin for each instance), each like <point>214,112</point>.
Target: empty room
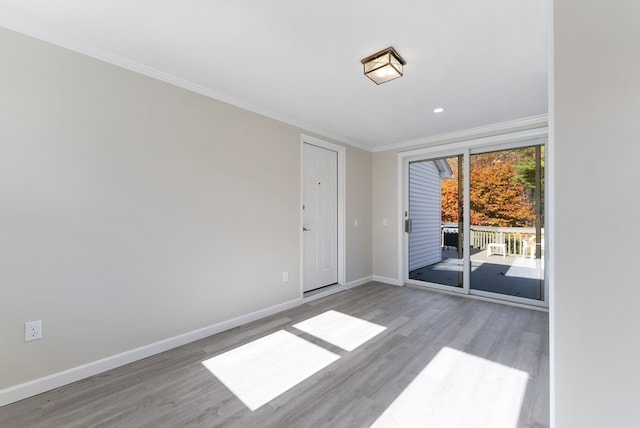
<point>319,213</point>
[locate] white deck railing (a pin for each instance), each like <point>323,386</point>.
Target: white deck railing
<point>512,237</point>
<point>481,236</point>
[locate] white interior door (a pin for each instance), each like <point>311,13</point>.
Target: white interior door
<point>320,217</point>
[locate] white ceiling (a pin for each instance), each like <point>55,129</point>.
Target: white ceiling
<point>484,61</point>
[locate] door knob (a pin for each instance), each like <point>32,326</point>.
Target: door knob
<point>305,229</point>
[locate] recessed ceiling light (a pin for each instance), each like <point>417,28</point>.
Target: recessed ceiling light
<point>438,110</point>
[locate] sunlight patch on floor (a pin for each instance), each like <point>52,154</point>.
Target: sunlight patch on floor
<point>341,330</point>
<point>526,263</point>
<point>261,370</point>
<point>459,390</point>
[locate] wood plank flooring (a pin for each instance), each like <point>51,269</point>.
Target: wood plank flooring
<point>174,389</point>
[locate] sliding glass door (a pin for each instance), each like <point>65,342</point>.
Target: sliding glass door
<point>433,221</point>
<point>474,222</point>
<point>507,222</point>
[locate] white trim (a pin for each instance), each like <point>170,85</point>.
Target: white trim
<point>385,280</point>
<point>319,294</point>
<point>66,42</point>
<point>529,136</point>
<point>56,380</point>
<point>477,297</point>
<point>358,282</point>
<point>467,147</point>
<point>403,195</point>
<point>468,134</point>
<point>47,35</point>
<point>527,142</point>
<point>341,151</point>
<point>466,225</point>
<point>435,286</point>
<point>336,288</point>
<point>494,297</point>
<point>550,221</point>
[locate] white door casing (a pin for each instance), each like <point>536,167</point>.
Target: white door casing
<point>320,217</point>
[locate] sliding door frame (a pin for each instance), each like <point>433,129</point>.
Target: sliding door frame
<point>531,137</point>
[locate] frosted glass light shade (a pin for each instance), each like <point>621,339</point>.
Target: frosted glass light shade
<point>383,66</point>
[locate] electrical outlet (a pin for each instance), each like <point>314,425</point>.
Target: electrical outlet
<point>32,330</point>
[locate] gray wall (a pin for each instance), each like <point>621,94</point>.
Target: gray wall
<point>359,245</point>
<point>385,216</point>
<point>425,213</point>
<point>595,309</point>
<point>133,211</point>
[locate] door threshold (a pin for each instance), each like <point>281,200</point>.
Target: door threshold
<point>531,306</point>
<point>318,293</point>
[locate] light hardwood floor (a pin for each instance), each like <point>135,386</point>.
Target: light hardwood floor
<point>174,389</point>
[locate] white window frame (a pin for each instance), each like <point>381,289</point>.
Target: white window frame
<point>537,136</point>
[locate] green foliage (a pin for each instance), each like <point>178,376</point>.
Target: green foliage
<point>526,173</point>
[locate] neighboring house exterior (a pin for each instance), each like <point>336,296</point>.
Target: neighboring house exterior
<point>425,246</point>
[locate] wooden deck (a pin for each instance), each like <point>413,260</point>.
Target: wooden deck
<point>512,275</point>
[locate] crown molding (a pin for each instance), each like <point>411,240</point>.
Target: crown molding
<point>41,33</point>
<point>539,121</point>
<point>49,36</point>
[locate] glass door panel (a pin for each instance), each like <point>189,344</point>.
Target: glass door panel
<point>506,222</point>
<point>434,221</point>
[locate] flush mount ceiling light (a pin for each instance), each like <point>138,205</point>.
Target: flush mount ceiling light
<point>383,66</point>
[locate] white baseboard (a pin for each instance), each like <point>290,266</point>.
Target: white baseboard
<point>56,380</point>
<point>337,288</point>
<point>391,281</point>
<point>358,282</point>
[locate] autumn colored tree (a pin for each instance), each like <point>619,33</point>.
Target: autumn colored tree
<point>498,198</point>
<point>449,194</point>
<point>500,190</point>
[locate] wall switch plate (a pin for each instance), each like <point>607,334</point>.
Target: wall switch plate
<point>285,276</point>
<point>32,330</point>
